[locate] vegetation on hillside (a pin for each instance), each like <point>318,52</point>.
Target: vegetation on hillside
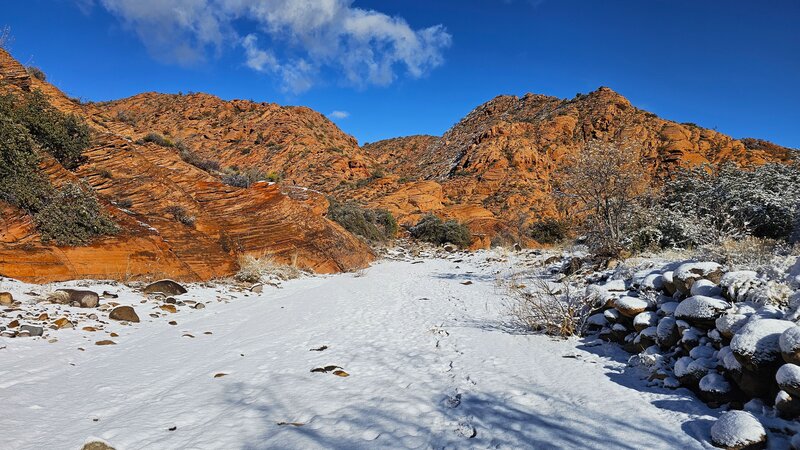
<point>620,210</point>
<point>377,225</point>
<point>436,231</point>
<point>70,215</point>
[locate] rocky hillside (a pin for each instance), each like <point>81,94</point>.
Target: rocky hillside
<point>499,160</point>
<point>175,220</point>
<point>296,144</point>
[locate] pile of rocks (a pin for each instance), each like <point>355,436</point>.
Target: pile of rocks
<point>55,310</point>
<point>731,337</point>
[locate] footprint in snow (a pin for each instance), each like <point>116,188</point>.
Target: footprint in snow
<point>452,401</point>
<point>465,429</point>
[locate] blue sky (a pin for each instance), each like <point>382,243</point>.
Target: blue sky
<point>400,67</point>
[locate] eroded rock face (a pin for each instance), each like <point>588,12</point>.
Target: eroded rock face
<point>137,183</point>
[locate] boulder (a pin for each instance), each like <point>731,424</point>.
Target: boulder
<point>644,320</point>
<point>596,322</point>
<point>686,274</point>
<point>788,378</point>
<point>706,288</point>
<point>630,306</point>
<point>701,311</point>
<point>612,315</point>
<point>31,330</point>
<point>6,298</point>
<point>668,282</point>
<point>715,389</point>
<point>667,333</point>
<point>668,308</point>
<point>645,339</point>
<point>167,287</point>
<point>757,344</point>
<point>690,371</point>
<point>738,430</point>
<point>788,406</point>
<point>789,343</point>
<point>729,323</point>
<point>78,297</point>
<point>125,313</point>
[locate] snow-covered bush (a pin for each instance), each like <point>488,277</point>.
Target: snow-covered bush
<point>556,309</point>
<point>709,204</point>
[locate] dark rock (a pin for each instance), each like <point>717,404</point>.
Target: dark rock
<point>126,313</point>
<point>167,287</point>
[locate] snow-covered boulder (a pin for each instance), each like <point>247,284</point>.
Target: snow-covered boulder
<point>653,282</point>
<point>615,286</point>
<point>788,378</point>
<point>728,360</point>
<point>756,345</point>
<point>787,405</point>
<point>691,337</point>
<point>738,430</point>
<point>729,323</point>
<point>706,288</point>
<point>790,345</point>
<point>667,308</point>
<point>644,320</point>
<point>631,306</point>
<point>715,389</point>
<point>690,371</point>
<point>645,339</point>
<point>687,273</point>
<point>611,315</point>
<point>667,334</point>
<point>667,280</point>
<point>701,311</point>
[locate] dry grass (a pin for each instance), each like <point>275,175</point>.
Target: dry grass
<point>254,269</point>
<point>556,309</point>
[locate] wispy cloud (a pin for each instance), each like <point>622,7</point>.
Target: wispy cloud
<point>294,40</point>
<point>339,115</point>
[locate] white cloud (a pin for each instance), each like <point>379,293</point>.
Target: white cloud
<point>305,37</point>
<point>339,115</point>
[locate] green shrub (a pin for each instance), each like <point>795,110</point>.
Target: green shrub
<point>21,182</point>
<point>157,139</point>
<point>548,231</point>
<point>432,229</point>
<point>376,225</point>
<point>73,217</point>
<point>65,136</point>
<point>69,216</point>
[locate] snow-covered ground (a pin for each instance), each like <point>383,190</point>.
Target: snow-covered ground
<point>431,359</point>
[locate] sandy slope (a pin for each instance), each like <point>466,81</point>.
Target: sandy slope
<point>431,363</point>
